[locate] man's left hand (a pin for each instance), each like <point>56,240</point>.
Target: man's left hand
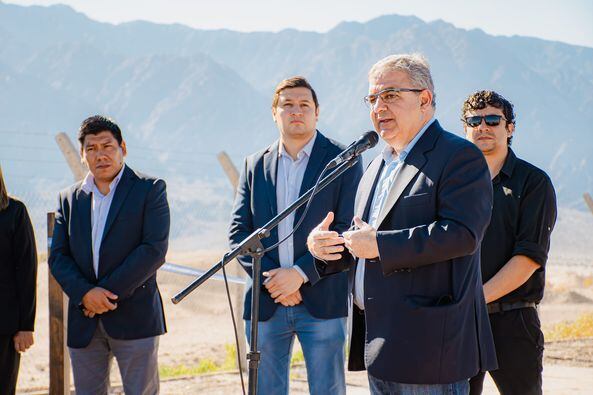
<point>283,281</point>
<point>362,242</point>
<point>22,340</point>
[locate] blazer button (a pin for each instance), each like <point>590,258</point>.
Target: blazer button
<point>143,285</point>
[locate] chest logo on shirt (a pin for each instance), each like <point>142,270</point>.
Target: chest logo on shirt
<point>507,191</point>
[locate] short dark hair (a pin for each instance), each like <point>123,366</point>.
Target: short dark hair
<point>97,124</point>
<point>481,99</point>
<point>293,82</point>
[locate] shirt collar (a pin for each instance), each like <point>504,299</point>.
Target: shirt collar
<point>306,150</point>
<point>88,184</point>
<point>389,153</point>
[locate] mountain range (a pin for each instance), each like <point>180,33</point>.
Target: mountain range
<point>181,94</point>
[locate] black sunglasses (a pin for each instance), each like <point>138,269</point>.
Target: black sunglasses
<point>491,120</point>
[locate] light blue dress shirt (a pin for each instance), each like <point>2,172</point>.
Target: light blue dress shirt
<point>289,178</point>
<point>393,164</point>
<point>100,205</point>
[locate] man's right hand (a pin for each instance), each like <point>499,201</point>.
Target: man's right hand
<point>323,243</point>
<point>97,301</point>
<point>290,300</point>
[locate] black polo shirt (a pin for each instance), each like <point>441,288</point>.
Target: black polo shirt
<point>523,216</point>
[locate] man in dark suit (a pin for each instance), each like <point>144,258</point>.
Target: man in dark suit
<point>419,319</point>
<point>110,237</point>
<point>294,299</point>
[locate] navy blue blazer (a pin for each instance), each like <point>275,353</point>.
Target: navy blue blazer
<point>133,247</point>
<point>255,205</point>
<point>425,319</point>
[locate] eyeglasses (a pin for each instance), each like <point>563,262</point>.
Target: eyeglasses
<point>476,120</point>
<point>389,95</point>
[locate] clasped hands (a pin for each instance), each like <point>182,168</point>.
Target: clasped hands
<point>283,285</point>
<point>328,245</point>
<point>98,301</point>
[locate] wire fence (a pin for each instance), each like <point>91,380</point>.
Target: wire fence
<point>199,212</point>
<point>200,196</point>
<point>200,336</point>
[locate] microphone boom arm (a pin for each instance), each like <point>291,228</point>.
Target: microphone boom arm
<point>252,242</point>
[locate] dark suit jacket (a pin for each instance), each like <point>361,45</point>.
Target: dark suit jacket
<point>255,205</point>
<point>425,317</point>
<point>133,247</point>
<point>18,269</point>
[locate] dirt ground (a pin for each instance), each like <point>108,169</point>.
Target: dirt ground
<point>199,328</point>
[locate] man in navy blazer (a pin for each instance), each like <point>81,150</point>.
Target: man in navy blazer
<point>420,324</point>
<point>110,237</point>
<point>294,298</point>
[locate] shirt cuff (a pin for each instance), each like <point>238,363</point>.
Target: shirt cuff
<point>302,273</point>
<point>531,250</point>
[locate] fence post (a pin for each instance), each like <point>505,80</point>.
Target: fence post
<point>72,156</point>
<point>59,363</point>
<point>233,175</point>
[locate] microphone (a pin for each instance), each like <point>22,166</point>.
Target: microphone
<point>364,142</point>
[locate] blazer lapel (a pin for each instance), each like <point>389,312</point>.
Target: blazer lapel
<point>270,168</point>
<point>314,167</point>
<point>83,218</point>
<point>412,164</point>
<point>121,192</point>
<point>406,174</point>
<point>364,195</point>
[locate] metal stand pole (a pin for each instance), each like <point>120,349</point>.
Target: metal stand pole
<point>252,246</point>
<point>253,356</point>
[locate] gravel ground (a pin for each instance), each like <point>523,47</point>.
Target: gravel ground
<point>577,353</point>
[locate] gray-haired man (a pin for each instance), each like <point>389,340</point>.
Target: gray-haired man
<point>420,324</point>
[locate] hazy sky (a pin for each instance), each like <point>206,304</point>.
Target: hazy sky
<point>568,21</point>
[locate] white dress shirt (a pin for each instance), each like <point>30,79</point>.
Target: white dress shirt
<point>100,205</point>
<point>289,178</point>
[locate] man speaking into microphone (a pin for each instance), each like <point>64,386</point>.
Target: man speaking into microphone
<point>294,299</point>
<point>420,324</point>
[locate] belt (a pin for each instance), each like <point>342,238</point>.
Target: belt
<point>501,307</point>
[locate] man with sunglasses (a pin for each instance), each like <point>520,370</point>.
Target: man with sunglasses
<point>419,321</point>
<point>515,246</point>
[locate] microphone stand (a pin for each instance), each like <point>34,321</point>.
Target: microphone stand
<point>253,247</point>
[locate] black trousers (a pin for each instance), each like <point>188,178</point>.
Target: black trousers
<point>519,345</point>
<point>9,365</point>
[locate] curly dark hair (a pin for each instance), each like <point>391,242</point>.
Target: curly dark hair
<point>97,124</point>
<point>481,99</point>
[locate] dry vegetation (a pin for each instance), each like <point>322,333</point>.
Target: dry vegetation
<point>581,328</point>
